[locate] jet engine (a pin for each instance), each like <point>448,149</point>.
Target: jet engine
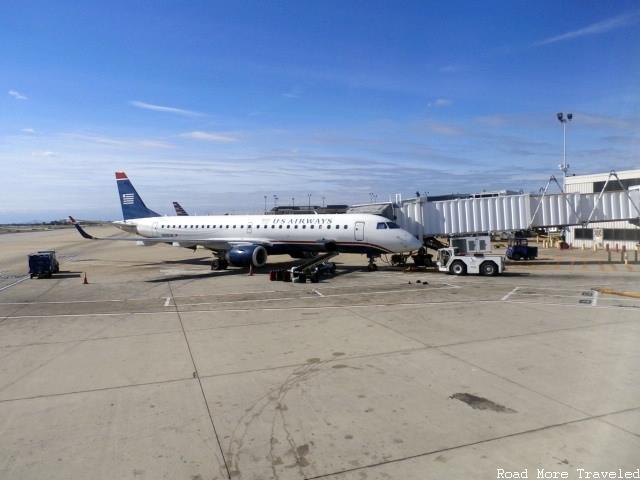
<point>245,255</point>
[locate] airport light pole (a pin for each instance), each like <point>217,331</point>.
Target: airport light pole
<point>275,201</point>
<point>564,167</point>
<point>293,201</point>
<point>323,201</point>
<point>265,204</point>
<point>309,195</point>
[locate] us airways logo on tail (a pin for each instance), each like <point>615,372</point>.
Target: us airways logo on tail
<point>127,199</point>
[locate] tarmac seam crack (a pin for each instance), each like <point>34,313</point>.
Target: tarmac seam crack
<point>300,364</point>
<point>471,444</point>
<point>92,390</point>
<point>197,377</point>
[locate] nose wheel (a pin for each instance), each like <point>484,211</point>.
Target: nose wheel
<point>372,267</point>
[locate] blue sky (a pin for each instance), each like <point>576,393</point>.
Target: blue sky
<point>217,104</point>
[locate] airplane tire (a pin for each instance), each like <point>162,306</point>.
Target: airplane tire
<point>458,268</point>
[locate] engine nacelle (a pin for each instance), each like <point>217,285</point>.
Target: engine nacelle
<point>246,255</point>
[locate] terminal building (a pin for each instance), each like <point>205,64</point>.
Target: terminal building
<point>620,233</point>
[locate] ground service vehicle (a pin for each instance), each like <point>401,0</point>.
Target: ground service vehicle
<point>43,264</point>
<point>450,261</point>
<point>519,249</point>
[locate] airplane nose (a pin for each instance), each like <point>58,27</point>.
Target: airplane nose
<point>415,244</point>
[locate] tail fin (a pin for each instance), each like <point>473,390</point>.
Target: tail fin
<point>132,204</point>
<point>181,212</point>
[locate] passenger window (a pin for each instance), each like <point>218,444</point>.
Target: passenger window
<point>273,226</point>
<point>304,226</point>
<point>296,226</point>
<point>381,226</point>
<point>328,227</point>
<point>241,226</point>
<point>280,226</point>
<point>345,227</point>
<point>227,226</point>
<point>288,226</point>
<point>311,226</point>
<point>319,227</point>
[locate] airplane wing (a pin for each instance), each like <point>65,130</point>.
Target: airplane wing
<point>207,242</point>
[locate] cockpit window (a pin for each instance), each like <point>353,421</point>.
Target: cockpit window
<point>392,225</point>
<point>381,226</point>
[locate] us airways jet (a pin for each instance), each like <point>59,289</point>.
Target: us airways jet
<point>248,240</point>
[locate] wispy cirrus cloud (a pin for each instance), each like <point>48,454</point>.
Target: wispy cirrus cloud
<point>119,142</point>
<point>165,109</point>
<point>219,137</point>
<point>450,68</point>
<point>295,92</point>
<point>28,130</point>
<point>603,26</point>
<point>17,95</point>
<point>440,103</point>
<point>46,154</point>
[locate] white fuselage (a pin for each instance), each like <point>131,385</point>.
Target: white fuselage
<point>357,233</point>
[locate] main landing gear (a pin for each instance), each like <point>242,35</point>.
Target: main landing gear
<point>219,263</point>
<point>372,267</point>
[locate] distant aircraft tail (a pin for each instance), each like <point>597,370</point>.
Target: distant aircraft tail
<point>181,212</point>
<point>132,204</point>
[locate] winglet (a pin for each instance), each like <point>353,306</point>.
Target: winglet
<point>80,229</point>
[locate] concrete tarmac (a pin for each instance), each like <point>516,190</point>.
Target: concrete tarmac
<point>161,368</point>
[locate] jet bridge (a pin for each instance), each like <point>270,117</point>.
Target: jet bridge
<point>467,216</point>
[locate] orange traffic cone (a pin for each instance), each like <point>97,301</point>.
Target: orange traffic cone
<point>85,281</point>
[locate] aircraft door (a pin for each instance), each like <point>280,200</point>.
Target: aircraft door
<point>249,227</point>
<point>359,231</point>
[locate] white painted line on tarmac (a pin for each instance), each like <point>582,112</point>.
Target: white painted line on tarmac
<point>594,299</point>
<point>506,297</point>
<point>15,283</point>
<point>318,293</point>
<point>321,307</point>
<point>167,302</point>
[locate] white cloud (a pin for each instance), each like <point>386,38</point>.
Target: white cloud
<point>46,154</point>
<point>444,129</point>
<point>603,26</point>
<point>220,137</point>
<point>440,103</point>
<point>450,69</point>
<point>161,108</point>
<point>120,142</point>
<point>28,130</point>
<point>295,92</point>
<point>17,95</point>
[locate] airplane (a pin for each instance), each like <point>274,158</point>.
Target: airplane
<point>181,212</point>
<point>248,240</point>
